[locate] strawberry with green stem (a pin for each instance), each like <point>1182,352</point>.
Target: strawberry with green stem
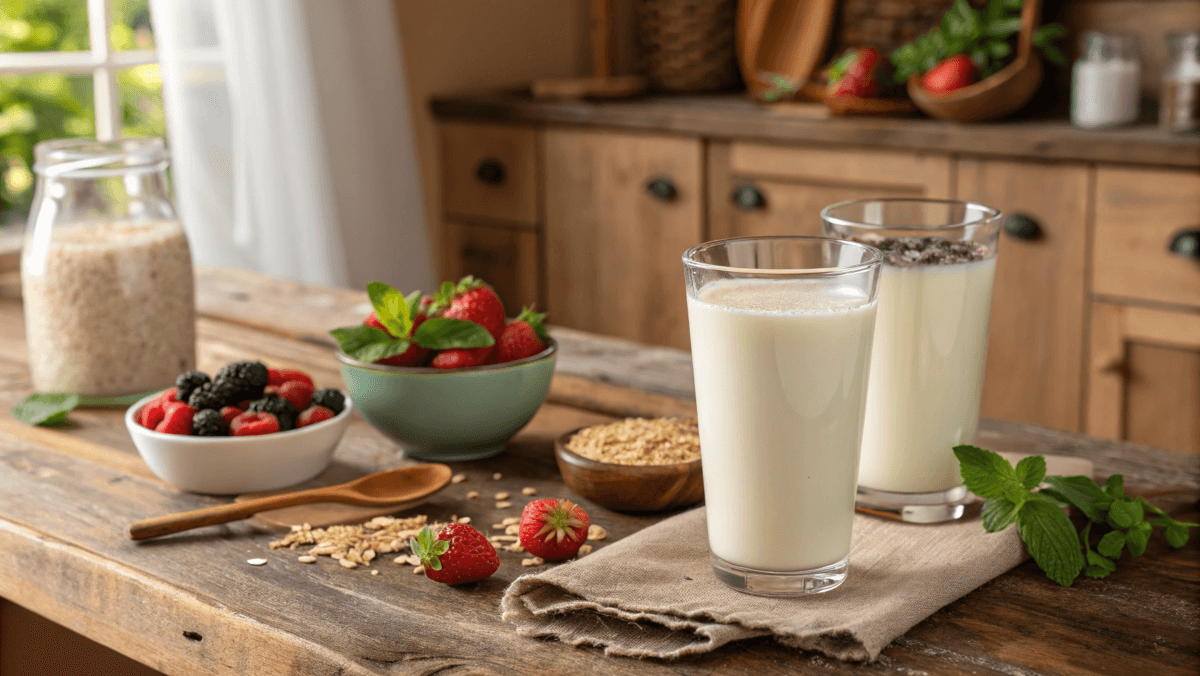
<point>524,337</point>
<point>553,529</point>
<point>456,555</point>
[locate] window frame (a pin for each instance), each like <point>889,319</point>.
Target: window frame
<point>101,61</point>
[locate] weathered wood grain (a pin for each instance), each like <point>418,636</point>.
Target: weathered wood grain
<point>716,115</point>
<point>189,604</point>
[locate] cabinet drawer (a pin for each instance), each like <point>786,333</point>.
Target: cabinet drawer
<point>1138,213</point>
<point>490,171</point>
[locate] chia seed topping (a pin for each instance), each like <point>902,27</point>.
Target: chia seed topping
<point>907,252</point>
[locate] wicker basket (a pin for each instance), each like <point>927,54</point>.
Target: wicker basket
<point>687,45</point>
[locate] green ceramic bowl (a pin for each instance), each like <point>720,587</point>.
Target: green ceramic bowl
<point>450,415</point>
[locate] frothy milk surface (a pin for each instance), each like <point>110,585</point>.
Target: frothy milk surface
<point>781,371</point>
<point>926,374</point>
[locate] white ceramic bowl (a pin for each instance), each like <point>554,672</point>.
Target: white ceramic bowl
<point>229,465</point>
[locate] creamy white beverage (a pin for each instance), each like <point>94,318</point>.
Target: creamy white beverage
<point>780,368</point>
<point>926,365</point>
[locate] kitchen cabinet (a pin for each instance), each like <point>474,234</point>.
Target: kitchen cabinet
<point>620,211</point>
<point>1144,376</point>
<point>1093,324</point>
<point>1034,368</point>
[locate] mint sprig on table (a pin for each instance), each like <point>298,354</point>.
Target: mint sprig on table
<point>50,409</point>
<point>1048,533</point>
<point>397,311</point>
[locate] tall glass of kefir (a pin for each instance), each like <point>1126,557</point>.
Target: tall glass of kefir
<point>935,294</point>
<point>781,334</point>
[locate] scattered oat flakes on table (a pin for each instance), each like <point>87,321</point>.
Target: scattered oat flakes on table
<point>347,563</point>
<point>503,505</point>
<point>257,562</point>
<point>307,558</point>
<point>508,521</point>
<point>528,491</point>
<point>584,550</point>
<point>419,570</point>
<point>535,561</point>
<point>471,495</point>
<point>497,476</point>
<point>502,495</point>
<point>458,478</point>
<point>596,532</point>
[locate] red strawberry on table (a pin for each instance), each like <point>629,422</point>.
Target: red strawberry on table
<point>525,336</point>
<point>473,301</point>
<point>553,529</point>
<point>458,554</point>
<point>954,72</point>
<point>859,73</point>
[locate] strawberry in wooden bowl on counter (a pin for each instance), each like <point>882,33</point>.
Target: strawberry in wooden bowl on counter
<point>447,376</point>
<point>247,428</point>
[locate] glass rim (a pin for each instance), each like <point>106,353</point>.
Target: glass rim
<point>92,158</point>
<point>990,213</point>
<point>875,260</point>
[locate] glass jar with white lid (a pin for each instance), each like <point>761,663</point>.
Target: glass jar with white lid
<point>1104,80</point>
<point>106,271</point>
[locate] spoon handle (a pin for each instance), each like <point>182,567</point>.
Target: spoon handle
<point>211,516</point>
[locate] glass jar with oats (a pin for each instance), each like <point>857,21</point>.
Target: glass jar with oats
<point>106,272</point>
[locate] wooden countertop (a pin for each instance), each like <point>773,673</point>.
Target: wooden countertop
<point>735,116</point>
<point>189,604</point>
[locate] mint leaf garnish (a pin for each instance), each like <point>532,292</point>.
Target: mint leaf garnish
<point>1030,471</point>
<point>367,343</point>
<point>998,514</point>
<point>391,307</point>
<point>443,333</point>
<point>1043,525</point>
<point>985,473</point>
<point>1051,540</point>
<point>50,409</point>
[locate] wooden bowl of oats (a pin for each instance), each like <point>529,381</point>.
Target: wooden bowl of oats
<point>635,465</point>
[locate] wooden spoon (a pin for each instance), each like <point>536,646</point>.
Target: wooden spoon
<point>391,487</point>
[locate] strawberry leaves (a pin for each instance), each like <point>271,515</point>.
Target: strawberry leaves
<point>392,308</point>
<point>536,321</point>
<point>428,548</point>
<point>443,333</point>
<point>367,343</point>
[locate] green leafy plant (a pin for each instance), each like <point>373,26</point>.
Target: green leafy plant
<point>985,35</point>
<point>50,409</point>
<point>1048,533</point>
<point>428,548</point>
<point>397,311</point>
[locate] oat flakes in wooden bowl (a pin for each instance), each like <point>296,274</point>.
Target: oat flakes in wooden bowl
<point>634,465</point>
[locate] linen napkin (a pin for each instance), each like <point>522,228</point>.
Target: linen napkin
<point>653,594</point>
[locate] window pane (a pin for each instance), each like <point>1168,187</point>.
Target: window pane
<point>35,108</point>
<point>141,102</point>
<point>44,26</point>
<point>131,25</point>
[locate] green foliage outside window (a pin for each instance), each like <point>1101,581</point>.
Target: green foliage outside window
<point>44,106</point>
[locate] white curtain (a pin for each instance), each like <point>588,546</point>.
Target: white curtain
<point>291,139</point>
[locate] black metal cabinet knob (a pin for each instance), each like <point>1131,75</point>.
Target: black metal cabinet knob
<point>748,198</point>
<point>1022,227</point>
<point>662,188</point>
<point>491,172</point>
<point>1186,243</point>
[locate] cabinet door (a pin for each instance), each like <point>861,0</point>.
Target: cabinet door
<point>757,189</point>
<point>1034,362</point>
<point>1144,376</point>
<point>614,246</point>
<point>505,257</point>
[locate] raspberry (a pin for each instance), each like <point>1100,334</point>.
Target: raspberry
<point>281,408</point>
<point>187,382</point>
<point>313,415</point>
<point>167,394</point>
<point>281,376</point>
<point>152,414</point>
<point>253,424</point>
<point>178,419</point>
<point>298,392</point>
<point>228,413</point>
<point>209,423</point>
<point>331,399</point>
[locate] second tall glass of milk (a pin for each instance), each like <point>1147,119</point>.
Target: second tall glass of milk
<point>935,295</point>
<point>781,334</point>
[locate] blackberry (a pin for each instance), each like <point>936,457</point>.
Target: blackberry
<point>209,423</point>
<point>187,382</point>
<point>279,407</point>
<point>331,399</point>
<point>212,395</point>
<point>248,378</point>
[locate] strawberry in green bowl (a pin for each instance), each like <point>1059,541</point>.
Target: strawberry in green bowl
<point>446,377</point>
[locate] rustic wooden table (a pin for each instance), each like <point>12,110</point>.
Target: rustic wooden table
<point>190,604</point>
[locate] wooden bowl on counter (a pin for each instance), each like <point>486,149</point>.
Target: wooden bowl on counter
<point>629,488</point>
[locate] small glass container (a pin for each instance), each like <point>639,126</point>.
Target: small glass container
<point>1104,80</point>
<point>106,272</point>
<point>1179,106</point>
